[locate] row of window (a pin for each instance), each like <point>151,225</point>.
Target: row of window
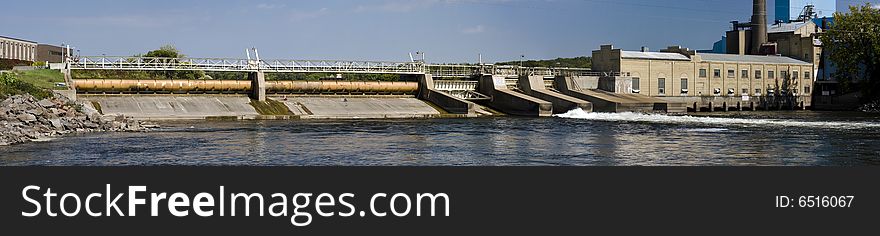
<point>661,88</point>
<point>771,92</point>
<point>758,74</point>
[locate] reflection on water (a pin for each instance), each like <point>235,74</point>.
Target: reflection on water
<point>753,138</point>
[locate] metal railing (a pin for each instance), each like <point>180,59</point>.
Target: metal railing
<point>244,65</point>
<point>455,85</point>
<point>314,66</point>
<point>464,71</point>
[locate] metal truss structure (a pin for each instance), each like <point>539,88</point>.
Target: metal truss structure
<point>314,66</point>
<point>465,71</point>
<point>244,65</point>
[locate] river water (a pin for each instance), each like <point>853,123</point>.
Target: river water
<point>800,138</point>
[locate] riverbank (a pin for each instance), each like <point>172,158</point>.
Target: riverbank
<point>24,118</point>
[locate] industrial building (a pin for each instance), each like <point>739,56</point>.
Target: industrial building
<point>788,10</point>
<point>797,40</point>
<point>765,66</point>
<point>17,49</point>
<point>24,50</point>
<point>49,53</point>
<point>684,73</point>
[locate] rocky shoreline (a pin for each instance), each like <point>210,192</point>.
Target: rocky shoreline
<point>24,118</point>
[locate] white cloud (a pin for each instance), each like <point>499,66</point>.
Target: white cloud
<point>305,15</point>
<point>474,30</point>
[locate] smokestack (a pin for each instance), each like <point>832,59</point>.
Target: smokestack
<point>759,25</point>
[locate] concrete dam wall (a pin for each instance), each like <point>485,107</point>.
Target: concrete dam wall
<point>324,107</point>
<point>206,99</point>
<point>159,107</point>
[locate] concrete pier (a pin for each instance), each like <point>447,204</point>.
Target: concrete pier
<point>608,95</point>
<point>443,100</point>
<point>534,86</point>
<point>258,85</point>
<point>512,102</point>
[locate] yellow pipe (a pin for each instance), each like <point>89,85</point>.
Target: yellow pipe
<point>334,86</point>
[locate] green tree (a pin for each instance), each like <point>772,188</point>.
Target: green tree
<point>168,51</point>
<point>576,62</point>
<point>171,52</point>
<point>854,46</point>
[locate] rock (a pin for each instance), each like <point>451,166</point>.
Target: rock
<point>23,118</point>
<point>27,118</point>
<point>36,112</point>
<point>46,103</point>
<point>56,122</point>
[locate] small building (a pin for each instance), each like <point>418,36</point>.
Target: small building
<point>17,49</point>
<point>50,53</point>
<point>688,76</point>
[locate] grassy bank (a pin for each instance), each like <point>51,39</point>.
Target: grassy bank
<point>43,78</point>
<point>14,84</point>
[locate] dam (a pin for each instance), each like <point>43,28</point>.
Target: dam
<point>422,90</point>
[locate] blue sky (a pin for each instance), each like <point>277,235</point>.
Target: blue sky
<point>448,30</point>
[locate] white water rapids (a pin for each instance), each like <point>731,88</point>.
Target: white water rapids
<point>722,121</point>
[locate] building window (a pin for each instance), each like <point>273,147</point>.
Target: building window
<point>757,92</point>
<point>717,91</point>
<point>716,73</point>
<point>784,74</point>
<point>731,74</point>
<point>661,86</point>
<point>794,92</point>
<point>807,75</point>
<point>794,74</point>
<point>771,74</point>
<point>703,73</point>
<point>745,74</point>
<point>730,92</point>
<point>758,74</point>
<point>807,90</point>
<point>684,86</point>
<point>745,92</point>
<point>636,88</point>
